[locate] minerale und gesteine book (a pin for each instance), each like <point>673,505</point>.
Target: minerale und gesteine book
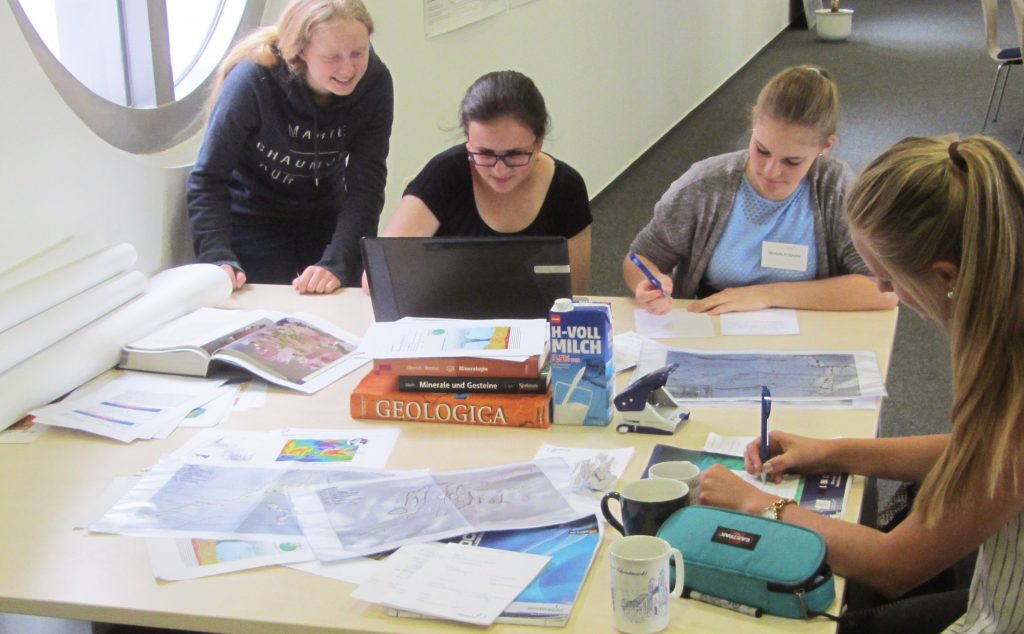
<point>482,385</point>
<point>377,397</point>
<point>824,494</point>
<point>549,599</point>
<point>302,352</point>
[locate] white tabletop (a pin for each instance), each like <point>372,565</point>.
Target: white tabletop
<point>50,486</point>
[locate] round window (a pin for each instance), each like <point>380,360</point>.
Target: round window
<point>135,71</point>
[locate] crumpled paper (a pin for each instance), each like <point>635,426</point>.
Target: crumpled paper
<point>594,473</point>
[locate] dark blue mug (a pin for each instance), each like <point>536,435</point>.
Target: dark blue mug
<point>645,505</point>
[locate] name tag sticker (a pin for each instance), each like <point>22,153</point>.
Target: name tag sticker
<point>781,255</point>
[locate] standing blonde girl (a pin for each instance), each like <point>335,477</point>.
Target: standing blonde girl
<point>292,169</point>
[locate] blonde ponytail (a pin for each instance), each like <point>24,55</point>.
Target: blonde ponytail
<point>929,200</point>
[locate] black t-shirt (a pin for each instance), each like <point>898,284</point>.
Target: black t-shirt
<point>445,185</point>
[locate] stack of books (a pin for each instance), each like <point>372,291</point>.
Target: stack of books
<point>466,389</point>
<point>473,372</point>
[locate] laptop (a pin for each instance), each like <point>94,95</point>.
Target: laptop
<point>466,278</point>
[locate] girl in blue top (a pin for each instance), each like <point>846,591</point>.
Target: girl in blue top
<point>761,227</point>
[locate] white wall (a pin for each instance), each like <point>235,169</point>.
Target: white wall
<point>616,76</point>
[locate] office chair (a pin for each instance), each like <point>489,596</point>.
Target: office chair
<point>1005,57</point>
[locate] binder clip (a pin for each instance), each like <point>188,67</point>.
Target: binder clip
<point>647,407</point>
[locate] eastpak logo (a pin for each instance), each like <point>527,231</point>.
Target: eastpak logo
<point>735,538</point>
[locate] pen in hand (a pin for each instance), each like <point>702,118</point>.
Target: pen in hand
<point>647,273</point>
<point>765,448</point>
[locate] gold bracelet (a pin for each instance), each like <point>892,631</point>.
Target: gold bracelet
<point>772,510</point>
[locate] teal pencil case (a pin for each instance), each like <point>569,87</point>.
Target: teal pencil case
<point>751,563</point>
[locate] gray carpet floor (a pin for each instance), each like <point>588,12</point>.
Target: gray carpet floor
<point>913,67</point>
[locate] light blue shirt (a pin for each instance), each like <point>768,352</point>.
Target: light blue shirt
<point>737,258</point>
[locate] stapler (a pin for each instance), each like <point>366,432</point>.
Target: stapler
<point>647,407</point>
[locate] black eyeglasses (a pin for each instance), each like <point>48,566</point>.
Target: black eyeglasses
<point>510,159</point>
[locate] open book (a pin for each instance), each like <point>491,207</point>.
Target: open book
<point>299,351</point>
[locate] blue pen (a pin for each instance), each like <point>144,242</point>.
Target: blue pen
<point>647,273</point>
<point>766,411</point>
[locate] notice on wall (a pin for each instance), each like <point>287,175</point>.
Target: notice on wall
<point>442,16</point>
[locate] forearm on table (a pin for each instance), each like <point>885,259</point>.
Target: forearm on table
<point>845,292</point>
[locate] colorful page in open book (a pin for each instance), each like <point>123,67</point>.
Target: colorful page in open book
<point>291,349</point>
<point>824,494</point>
<point>549,599</point>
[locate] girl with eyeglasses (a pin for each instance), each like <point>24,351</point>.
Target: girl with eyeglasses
<point>761,227</point>
<point>499,182</point>
<point>292,169</point>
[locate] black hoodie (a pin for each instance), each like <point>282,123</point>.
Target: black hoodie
<point>272,155</point>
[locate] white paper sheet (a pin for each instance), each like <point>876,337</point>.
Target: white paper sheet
<point>254,395</point>
<point>672,325</point>
<point>442,16</point>
<point>490,338</point>
<point>771,321</point>
<point>727,445</point>
<point>21,341</point>
<point>213,412</point>
<point>129,405</point>
<point>95,348</point>
<point>626,350</point>
<point>178,559</point>
<point>46,291</point>
<point>452,581</point>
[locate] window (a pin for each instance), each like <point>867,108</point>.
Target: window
<point>135,71</point>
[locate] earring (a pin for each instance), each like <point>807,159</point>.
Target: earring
<point>949,293</point>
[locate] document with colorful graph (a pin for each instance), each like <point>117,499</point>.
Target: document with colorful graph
<point>302,352</point>
<point>412,338</point>
<point>292,447</point>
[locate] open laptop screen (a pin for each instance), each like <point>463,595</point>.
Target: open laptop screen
<point>466,278</point>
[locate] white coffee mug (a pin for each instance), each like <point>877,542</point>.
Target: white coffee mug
<point>640,583</point>
<point>682,470</point>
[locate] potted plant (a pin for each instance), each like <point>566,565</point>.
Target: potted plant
<point>835,23</point>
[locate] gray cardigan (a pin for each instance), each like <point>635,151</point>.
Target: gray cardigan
<point>691,216</point>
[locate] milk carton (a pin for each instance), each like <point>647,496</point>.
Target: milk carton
<point>582,372</point>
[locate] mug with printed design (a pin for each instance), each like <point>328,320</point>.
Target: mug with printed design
<point>640,581</point>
